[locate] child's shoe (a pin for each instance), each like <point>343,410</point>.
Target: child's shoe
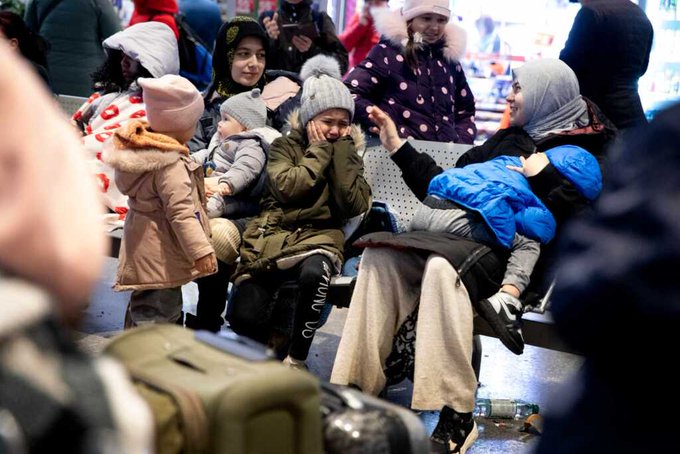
<point>503,312</point>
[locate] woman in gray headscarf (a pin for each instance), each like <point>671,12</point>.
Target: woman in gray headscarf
<point>430,282</point>
<point>546,111</point>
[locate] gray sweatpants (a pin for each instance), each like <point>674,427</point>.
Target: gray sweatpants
<point>524,251</point>
<point>389,286</point>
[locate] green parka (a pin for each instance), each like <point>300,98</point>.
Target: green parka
<point>311,191</point>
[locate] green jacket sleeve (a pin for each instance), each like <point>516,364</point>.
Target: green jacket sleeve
<point>293,172</point>
<point>350,192</point>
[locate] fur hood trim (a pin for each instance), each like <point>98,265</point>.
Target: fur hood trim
<point>139,161</point>
<point>392,26</point>
<point>136,149</point>
<point>266,133</point>
<point>137,135</point>
<point>355,132</point>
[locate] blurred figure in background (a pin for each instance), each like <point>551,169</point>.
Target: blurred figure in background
<point>33,47</point>
<point>55,397</point>
<point>291,50</point>
<point>204,17</point>
<point>360,35</point>
<point>489,41</point>
<point>156,10</point>
<point>608,49</point>
<point>75,30</point>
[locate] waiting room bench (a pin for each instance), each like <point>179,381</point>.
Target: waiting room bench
<point>385,179</point>
<point>70,104</point>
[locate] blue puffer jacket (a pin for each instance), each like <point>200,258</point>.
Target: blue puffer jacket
<point>504,198</point>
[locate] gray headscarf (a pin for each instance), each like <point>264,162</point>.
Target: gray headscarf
<point>552,100</point>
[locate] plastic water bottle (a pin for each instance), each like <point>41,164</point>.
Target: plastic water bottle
<point>504,408</point>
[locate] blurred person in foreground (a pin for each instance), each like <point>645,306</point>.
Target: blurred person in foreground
<point>616,295</point>
<point>53,397</point>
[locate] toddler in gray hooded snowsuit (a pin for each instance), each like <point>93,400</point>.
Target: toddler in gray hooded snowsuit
<point>237,155</point>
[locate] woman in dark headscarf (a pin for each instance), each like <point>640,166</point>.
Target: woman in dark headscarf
<point>239,62</point>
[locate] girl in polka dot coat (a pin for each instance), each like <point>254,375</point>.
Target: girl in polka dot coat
<point>416,78</point>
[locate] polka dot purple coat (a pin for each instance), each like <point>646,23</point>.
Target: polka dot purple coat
<point>432,102</point>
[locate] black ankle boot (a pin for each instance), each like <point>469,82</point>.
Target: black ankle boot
<point>455,432</point>
<point>195,323</point>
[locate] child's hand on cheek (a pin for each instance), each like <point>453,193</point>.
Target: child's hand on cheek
<point>314,135</point>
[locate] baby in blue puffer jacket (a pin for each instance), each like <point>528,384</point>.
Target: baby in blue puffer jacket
<point>493,203</point>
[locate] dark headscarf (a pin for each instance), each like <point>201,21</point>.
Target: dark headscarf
<point>229,35</point>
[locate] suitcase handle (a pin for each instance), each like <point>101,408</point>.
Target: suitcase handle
<point>236,345</point>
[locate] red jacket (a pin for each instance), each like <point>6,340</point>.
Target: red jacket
<point>358,39</point>
<point>156,10</point>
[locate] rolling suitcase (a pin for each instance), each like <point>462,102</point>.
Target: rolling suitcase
<point>211,394</point>
<point>357,423</point>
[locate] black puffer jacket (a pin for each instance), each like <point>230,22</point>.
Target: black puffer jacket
<point>608,49</point>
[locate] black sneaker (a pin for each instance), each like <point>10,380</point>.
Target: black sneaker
<point>455,432</point>
<point>503,313</point>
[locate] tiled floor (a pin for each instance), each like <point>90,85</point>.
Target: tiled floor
<point>532,376</point>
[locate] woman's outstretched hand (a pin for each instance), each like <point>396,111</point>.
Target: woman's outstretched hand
<point>385,128</point>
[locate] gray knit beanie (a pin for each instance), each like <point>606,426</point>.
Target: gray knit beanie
<point>247,108</point>
<point>323,89</point>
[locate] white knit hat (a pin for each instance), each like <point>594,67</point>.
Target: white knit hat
<point>414,8</point>
<point>225,239</point>
<point>172,103</point>
<point>247,108</point>
<point>323,89</point>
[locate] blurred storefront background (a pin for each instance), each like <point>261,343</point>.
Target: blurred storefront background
<point>504,34</point>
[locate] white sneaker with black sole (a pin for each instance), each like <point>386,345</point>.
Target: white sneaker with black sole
<point>503,313</point>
